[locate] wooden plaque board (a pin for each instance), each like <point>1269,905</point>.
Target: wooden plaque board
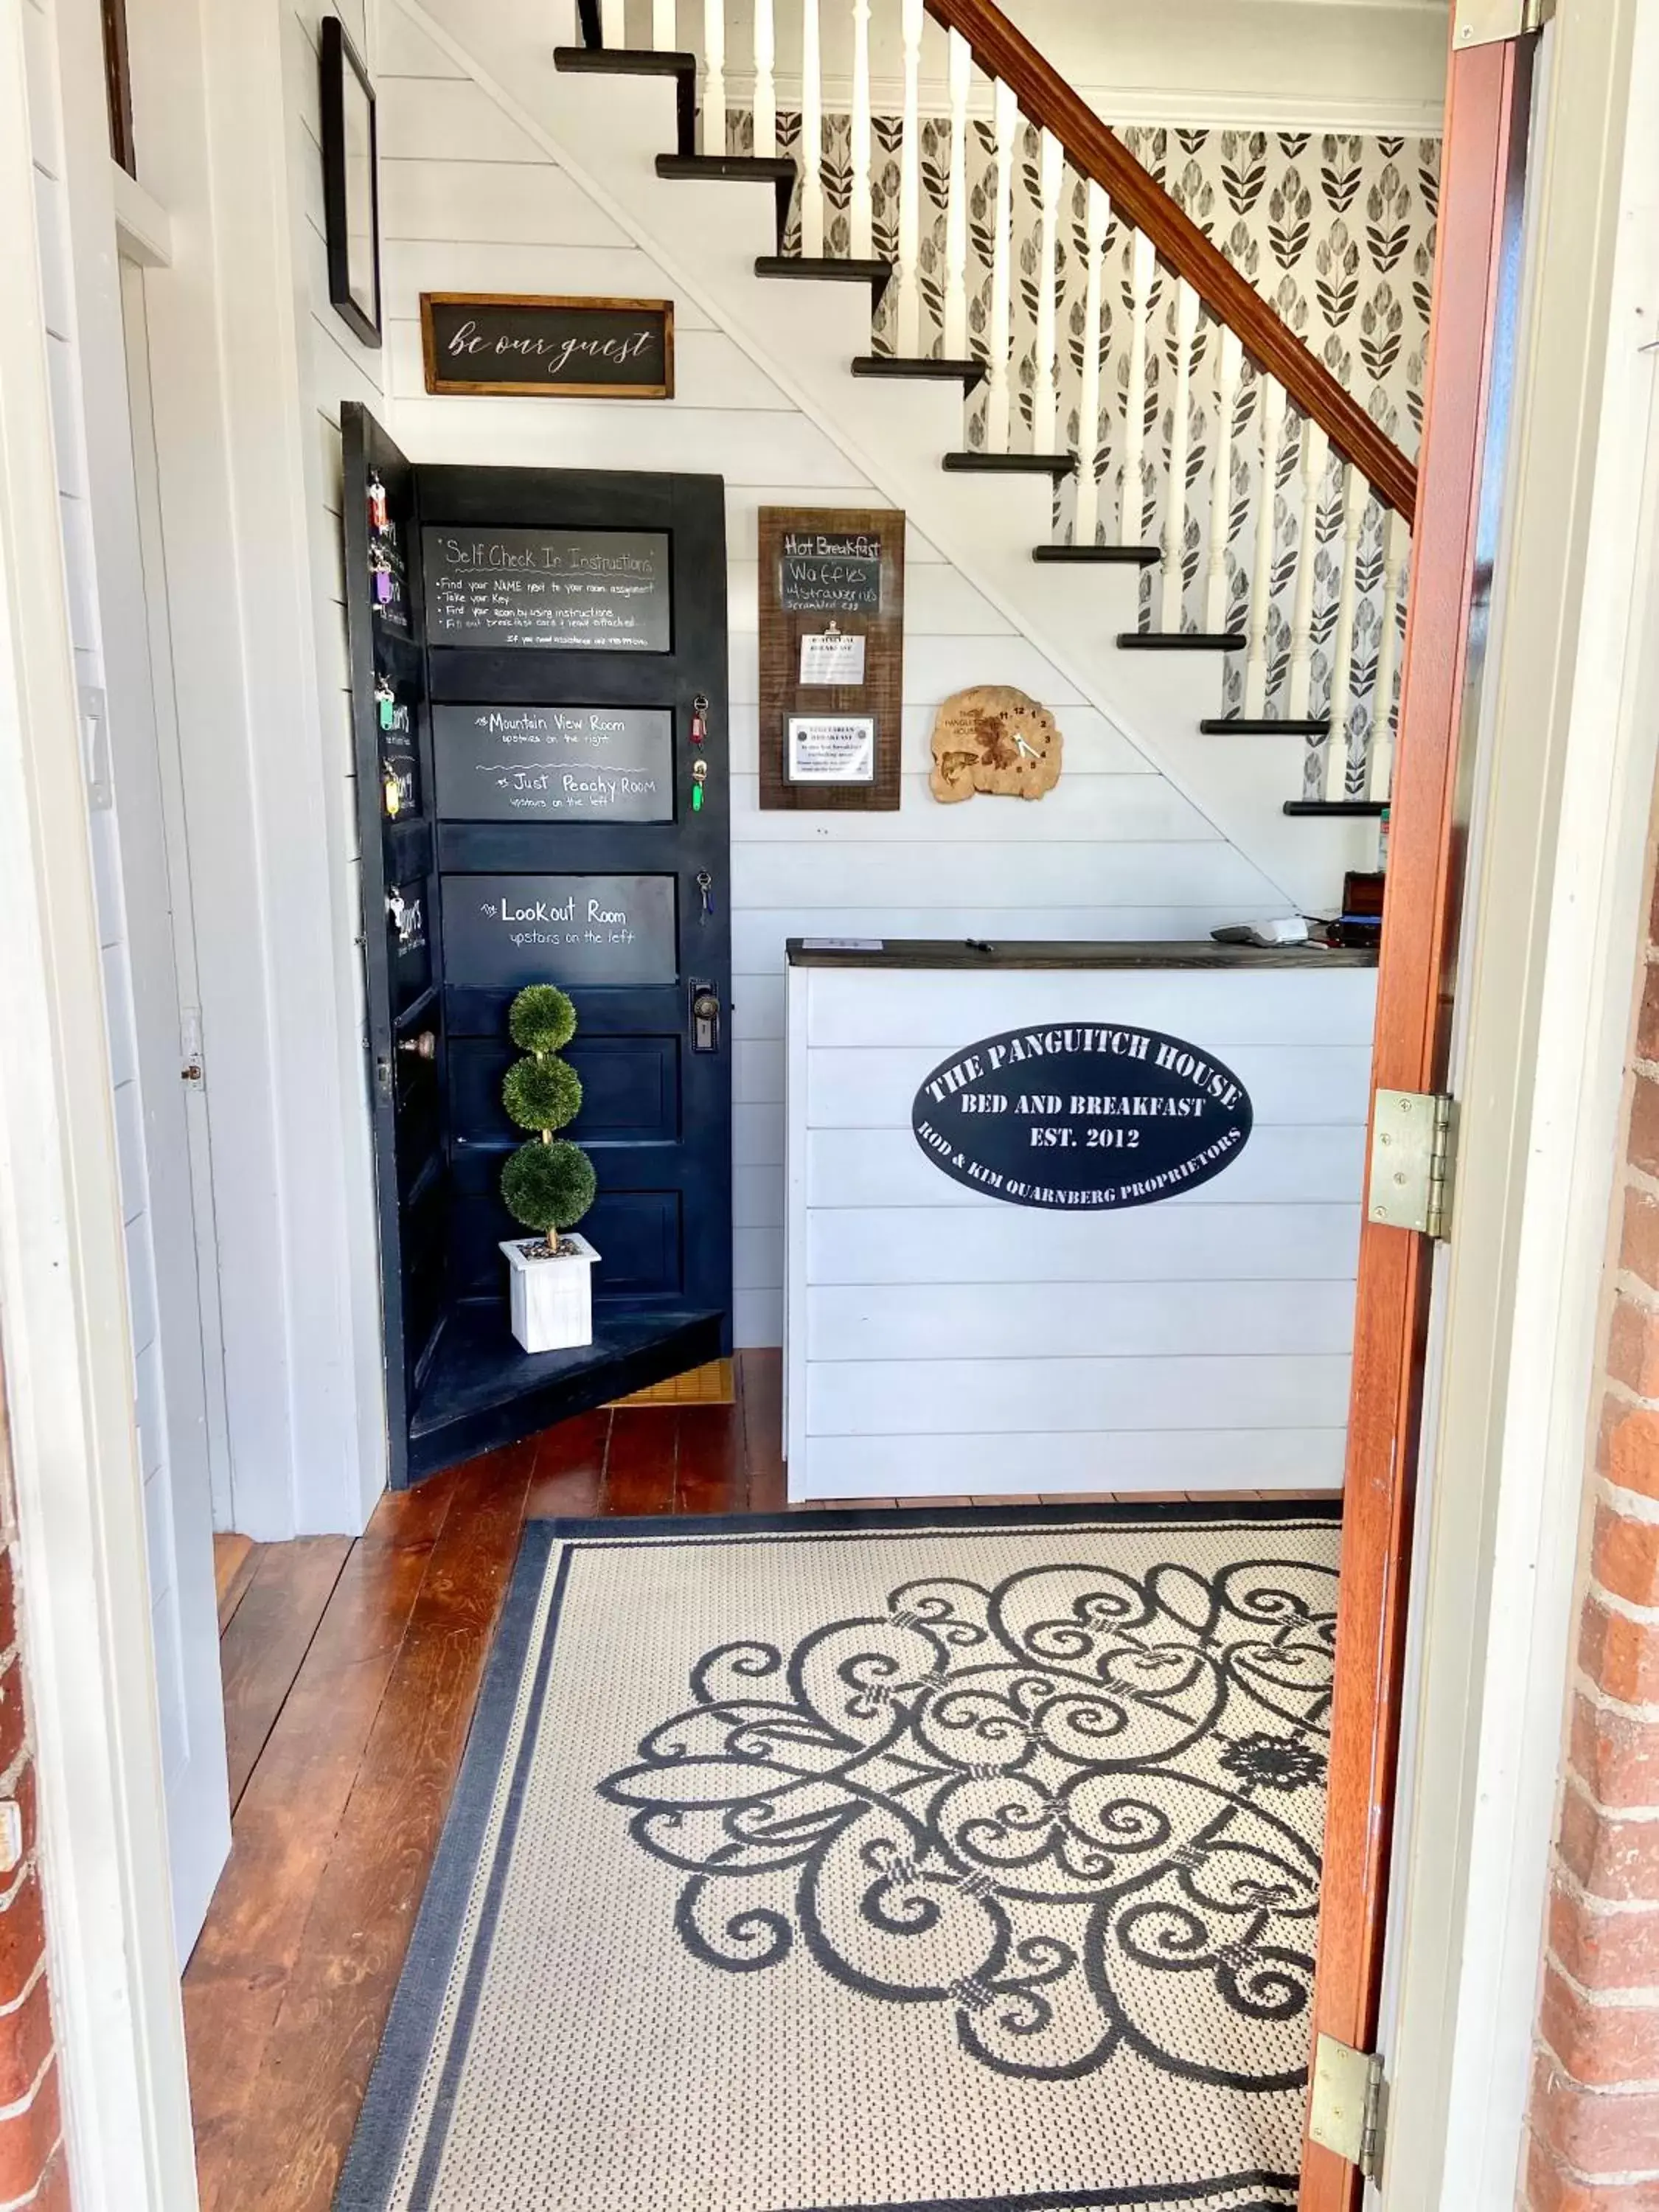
<point>517,343</point>
<point>826,587</point>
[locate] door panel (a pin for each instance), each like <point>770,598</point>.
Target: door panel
<point>1470,369</point>
<point>560,732</point>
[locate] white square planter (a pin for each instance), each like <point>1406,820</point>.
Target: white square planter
<point>552,1298</point>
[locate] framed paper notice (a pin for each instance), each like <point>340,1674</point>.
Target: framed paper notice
<point>831,749</point>
<point>831,657</point>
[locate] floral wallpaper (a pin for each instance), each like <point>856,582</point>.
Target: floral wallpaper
<point>1335,230</point>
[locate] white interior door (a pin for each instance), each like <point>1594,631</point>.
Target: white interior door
<point>181,1378</point>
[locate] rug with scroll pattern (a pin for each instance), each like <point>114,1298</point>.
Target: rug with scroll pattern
<point>928,1860</point>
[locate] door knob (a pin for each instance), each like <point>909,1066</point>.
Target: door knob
<point>422,1047</point>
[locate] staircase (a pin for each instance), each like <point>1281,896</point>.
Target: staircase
<point>1161,487</point>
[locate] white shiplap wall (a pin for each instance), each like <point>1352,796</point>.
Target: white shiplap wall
<point>469,202</point>
<point>945,1342</point>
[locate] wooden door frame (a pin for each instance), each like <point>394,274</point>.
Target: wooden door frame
<point>1476,263</point>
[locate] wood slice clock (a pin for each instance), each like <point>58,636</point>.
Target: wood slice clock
<point>831,657</point>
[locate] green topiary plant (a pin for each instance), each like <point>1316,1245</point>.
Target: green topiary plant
<point>548,1183</point>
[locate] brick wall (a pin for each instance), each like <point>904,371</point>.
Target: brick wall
<point>1594,2144</point>
<point>32,2159</point>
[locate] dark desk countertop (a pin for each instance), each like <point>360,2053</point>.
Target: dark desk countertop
<point>961,956</point>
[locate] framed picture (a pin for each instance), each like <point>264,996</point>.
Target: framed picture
<point>351,190</point>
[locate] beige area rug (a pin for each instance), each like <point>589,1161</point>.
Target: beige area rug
<point>932,1861</point>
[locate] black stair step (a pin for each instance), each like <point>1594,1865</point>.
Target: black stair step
<point>970,371</point>
<point>1373,807</point>
<point>1004,465</point>
<point>640,61</point>
<point>1115,556</point>
<point>1240,725</point>
<point>1181,641</point>
<point>736,169</point>
<point>877,275</point>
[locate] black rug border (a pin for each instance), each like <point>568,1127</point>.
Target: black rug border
<point>383,2122</point>
<point>866,1520</point>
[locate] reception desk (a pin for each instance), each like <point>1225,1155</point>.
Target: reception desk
<point>1071,1218</point>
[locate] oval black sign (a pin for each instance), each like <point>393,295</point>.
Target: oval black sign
<point>1082,1115</point>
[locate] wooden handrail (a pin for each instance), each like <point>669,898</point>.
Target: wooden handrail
<point>1095,149</point>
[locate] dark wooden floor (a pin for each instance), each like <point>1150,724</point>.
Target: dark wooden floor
<point>349,1674</point>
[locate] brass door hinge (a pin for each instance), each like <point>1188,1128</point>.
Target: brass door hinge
<point>1410,1187</point>
<point>1489,22</point>
<point>1346,2112</point>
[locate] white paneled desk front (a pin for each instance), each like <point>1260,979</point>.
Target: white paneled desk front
<point>1071,1217</point>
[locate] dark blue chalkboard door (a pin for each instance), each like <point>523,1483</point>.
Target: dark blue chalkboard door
<point>571,639</point>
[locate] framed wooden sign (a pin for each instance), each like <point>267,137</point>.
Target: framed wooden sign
<point>831,656</point>
<point>514,343</point>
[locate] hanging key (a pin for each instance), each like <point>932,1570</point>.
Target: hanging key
<point>378,517</point>
<point>699,777</point>
<point>381,568</point>
<point>385,701</point>
<point>700,718</point>
<point>706,892</point>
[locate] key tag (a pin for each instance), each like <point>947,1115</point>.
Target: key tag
<point>385,701</point>
<point>378,517</point>
<point>393,788</point>
<point>699,777</point>
<point>381,569</point>
<point>699,718</point>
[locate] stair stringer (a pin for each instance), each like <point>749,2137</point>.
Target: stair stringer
<point>706,236</point>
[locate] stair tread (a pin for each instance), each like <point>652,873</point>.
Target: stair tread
<point>1244,725</point>
<point>1181,641</point>
<point>728,168</point>
<point>830,268</point>
<point>623,61</point>
<point>970,371</point>
<point>1137,556</point>
<point>1048,465</point>
<point>1349,807</point>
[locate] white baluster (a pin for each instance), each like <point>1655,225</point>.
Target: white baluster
<point>664,28</point>
<point>1272,404</point>
<point>956,203</point>
<point>1045,398</point>
<point>1315,451</point>
<point>713,76</point>
<point>1229,370</point>
<point>766,98</point>
<point>1184,317</point>
<point>906,328</point>
<point>613,30</point>
<point>1379,768</point>
<point>1132,519</point>
<point>812,133</point>
<point>1356,499</point>
<point>1006,114</point>
<point>859,213</point>
<point>1095,209</point>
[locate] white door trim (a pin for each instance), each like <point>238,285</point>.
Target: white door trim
<point>84,1607</point>
<point>1558,926</point>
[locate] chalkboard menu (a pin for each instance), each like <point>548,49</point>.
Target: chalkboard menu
<point>502,931</point>
<point>555,764</point>
<point>562,590</point>
<point>827,572</point>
